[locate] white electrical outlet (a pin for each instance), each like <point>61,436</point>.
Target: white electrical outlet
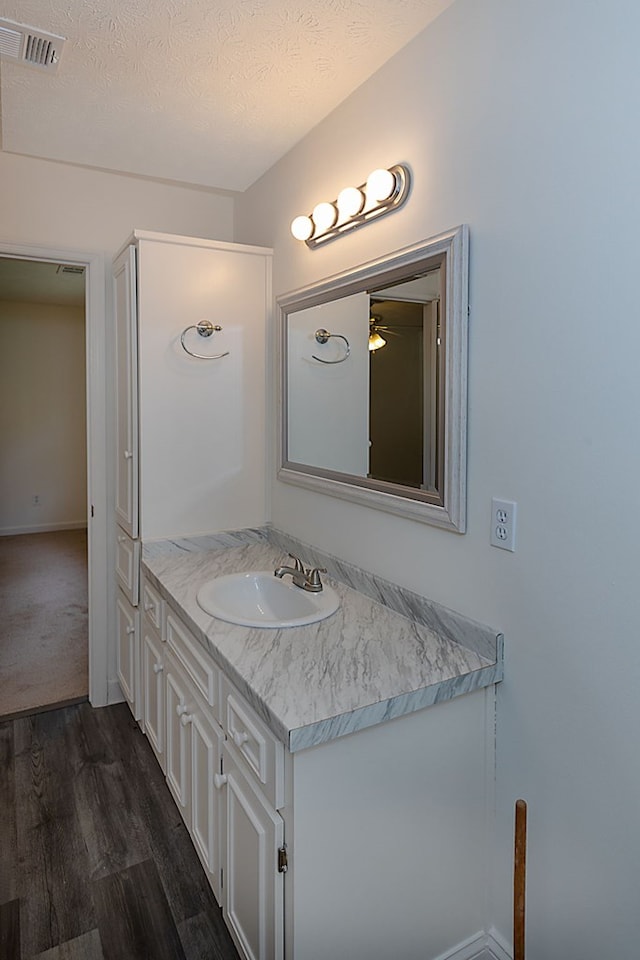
<point>503,524</point>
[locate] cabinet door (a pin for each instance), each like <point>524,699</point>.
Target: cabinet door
<point>252,893</point>
<point>206,756</point>
<point>178,740</point>
<point>128,652</point>
<point>153,692</point>
<point>124,281</point>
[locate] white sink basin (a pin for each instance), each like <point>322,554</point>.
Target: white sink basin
<point>259,599</point>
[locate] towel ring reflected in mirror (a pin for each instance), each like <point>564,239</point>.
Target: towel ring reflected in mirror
<point>323,336</point>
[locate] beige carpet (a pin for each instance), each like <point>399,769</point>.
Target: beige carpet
<point>43,621</point>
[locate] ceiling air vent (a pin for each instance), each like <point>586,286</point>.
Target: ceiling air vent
<point>35,48</point>
<point>67,268</point>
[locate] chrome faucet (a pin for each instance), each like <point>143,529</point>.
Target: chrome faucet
<point>305,579</point>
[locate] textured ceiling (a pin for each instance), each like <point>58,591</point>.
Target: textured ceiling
<point>208,92</point>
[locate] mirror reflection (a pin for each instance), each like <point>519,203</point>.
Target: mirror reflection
<point>373,383</point>
<point>378,403</point>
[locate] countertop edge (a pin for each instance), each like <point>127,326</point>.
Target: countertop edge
<point>326,730</point>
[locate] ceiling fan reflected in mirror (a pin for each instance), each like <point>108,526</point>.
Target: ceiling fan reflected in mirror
<point>376,330</point>
<point>376,341</point>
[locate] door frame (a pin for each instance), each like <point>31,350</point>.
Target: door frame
<point>97,461</point>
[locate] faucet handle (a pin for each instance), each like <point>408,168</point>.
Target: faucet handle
<point>313,578</point>
<point>297,562</point>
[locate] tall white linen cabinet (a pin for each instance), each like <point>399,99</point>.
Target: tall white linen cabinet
<point>190,430</point>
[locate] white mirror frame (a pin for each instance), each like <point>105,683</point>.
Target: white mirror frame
<point>450,513</point>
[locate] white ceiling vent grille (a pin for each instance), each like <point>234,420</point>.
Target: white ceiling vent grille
<point>68,268</point>
<point>35,48</point>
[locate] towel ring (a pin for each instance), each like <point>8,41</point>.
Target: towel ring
<point>322,336</point>
<point>205,328</point>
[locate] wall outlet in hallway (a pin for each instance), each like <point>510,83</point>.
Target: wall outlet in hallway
<point>503,524</point>
<point>35,500</point>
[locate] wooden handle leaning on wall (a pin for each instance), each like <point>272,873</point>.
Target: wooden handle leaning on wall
<point>519,879</point>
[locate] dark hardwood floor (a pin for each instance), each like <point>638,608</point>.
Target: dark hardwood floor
<point>95,861</point>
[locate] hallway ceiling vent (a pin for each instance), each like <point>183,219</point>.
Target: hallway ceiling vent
<point>34,48</point>
<point>67,268</point>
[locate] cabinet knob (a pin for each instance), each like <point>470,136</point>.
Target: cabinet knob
<point>158,667</point>
<point>128,454</point>
<point>121,538</point>
<point>240,737</point>
<point>219,780</point>
<point>180,709</point>
<point>131,630</point>
<point>185,719</point>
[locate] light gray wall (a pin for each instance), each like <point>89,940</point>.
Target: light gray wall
<point>56,204</point>
<point>52,205</point>
<point>519,119</point>
<point>43,449</point>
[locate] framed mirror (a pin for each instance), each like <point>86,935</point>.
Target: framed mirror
<point>373,383</point>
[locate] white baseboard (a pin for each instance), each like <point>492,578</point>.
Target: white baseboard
<point>472,949</point>
<point>482,946</point>
<point>44,528</point>
<point>114,693</point>
<point>498,946</point>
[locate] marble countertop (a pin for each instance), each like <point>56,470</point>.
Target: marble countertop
<point>365,664</point>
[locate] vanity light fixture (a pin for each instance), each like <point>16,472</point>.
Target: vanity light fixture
<point>383,191</point>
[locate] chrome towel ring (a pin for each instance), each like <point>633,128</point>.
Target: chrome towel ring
<point>322,336</point>
<point>205,328</point>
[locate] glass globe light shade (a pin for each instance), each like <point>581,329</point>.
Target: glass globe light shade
<point>380,185</point>
<point>350,202</point>
<point>302,228</point>
<point>324,216</point>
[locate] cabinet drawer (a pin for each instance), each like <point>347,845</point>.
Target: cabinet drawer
<point>152,605</point>
<point>198,665</point>
<point>128,565</point>
<point>260,749</point>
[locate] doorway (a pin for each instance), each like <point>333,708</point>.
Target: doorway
<point>82,550</point>
<point>43,487</point>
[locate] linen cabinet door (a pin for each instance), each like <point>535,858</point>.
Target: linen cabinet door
<point>253,887</point>
<point>126,337</point>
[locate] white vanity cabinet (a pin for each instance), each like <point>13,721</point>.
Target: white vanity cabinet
<point>367,846</point>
